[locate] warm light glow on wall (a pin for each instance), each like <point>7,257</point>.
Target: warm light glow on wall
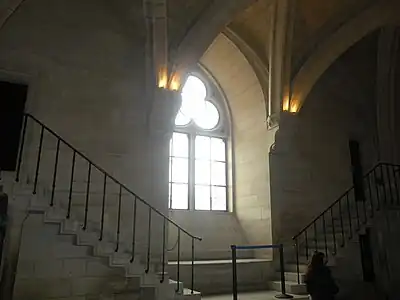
<point>174,82</point>
<point>162,78</point>
<point>294,106</point>
<point>286,103</point>
<point>171,83</point>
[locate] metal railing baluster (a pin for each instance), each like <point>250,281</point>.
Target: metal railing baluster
<point>119,218</point>
<point>341,221</point>
<point>178,261</point>
<point>21,149</point>
<point>164,248</point>
<point>71,183</point>
<point>103,207</point>
<point>306,242</point>
<point>53,185</point>
<point>333,231</point>
<point>134,221</point>
<point>148,244</point>
<point>325,239</point>
<point>38,161</point>
<point>87,196</point>
<point>151,209</point>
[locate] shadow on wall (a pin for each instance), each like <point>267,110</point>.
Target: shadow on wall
<point>386,247</point>
<point>310,163</point>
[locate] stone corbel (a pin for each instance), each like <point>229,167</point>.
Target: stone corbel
<point>288,128</point>
<point>273,120</point>
<point>165,107</point>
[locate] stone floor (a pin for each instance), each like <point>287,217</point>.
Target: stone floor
<point>268,295</point>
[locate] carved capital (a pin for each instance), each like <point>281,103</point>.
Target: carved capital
<point>273,120</point>
<point>165,107</point>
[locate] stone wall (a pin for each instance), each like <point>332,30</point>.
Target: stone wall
<point>219,230</point>
<point>310,163</point>
<point>251,138</point>
<point>84,65</point>
<point>85,80</point>
<point>385,250</point>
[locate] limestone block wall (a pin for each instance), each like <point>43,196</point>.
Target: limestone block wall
<point>84,63</point>
<point>17,214</point>
<point>85,80</point>
<point>219,230</point>
<point>51,266</point>
<point>385,250</point>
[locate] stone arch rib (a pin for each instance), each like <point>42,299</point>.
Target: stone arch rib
<point>379,15</point>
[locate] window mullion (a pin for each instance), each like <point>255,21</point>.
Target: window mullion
<point>227,182</point>
<point>210,162</point>
<point>171,149</point>
<point>191,172</point>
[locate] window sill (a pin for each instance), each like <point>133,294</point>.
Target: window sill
<point>187,211</point>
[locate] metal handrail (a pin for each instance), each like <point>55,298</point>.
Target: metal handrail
<point>338,199</point>
<point>387,171</point>
<point>108,176</point>
<point>91,164</point>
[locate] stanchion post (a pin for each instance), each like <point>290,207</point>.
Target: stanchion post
<point>283,295</point>
<point>234,274</point>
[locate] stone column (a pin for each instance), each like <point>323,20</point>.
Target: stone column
<point>385,93</point>
<point>165,106</point>
<point>279,58</point>
<point>161,126</point>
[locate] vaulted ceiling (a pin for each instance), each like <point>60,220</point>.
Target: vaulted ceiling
<point>182,15</point>
<point>313,21</point>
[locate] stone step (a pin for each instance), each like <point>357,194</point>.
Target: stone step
<point>292,267</point>
<point>126,281</point>
<point>292,287</point>
<point>291,276</point>
<point>302,260</point>
<point>188,294</point>
<point>178,287</point>
<point>127,296</point>
<point>215,276</point>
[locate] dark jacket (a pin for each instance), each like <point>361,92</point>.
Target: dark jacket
<point>320,284</point>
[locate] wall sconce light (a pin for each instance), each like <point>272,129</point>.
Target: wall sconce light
<point>285,104</point>
<point>171,82</point>
<point>294,106</point>
<point>162,78</point>
<point>175,82</point>
<point>290,104</point>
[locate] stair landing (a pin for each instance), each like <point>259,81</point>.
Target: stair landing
<point>264,295</point>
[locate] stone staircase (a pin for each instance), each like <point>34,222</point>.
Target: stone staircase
<point>72,242</point>
<point>337,229</point>
<point>294,280</point>
<point>60,260</point>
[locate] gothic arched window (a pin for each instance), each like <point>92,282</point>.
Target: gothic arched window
<point>198,152</point>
